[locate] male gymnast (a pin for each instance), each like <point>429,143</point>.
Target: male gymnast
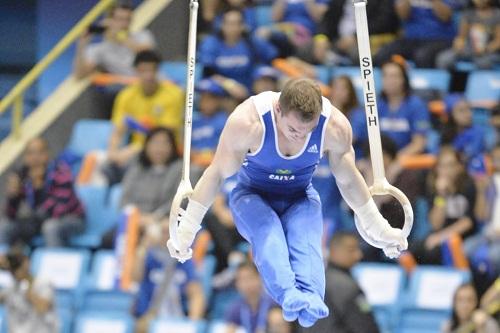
<point>274,142</point>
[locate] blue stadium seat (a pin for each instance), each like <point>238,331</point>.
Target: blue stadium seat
<point>66,269</point>
<point>177,325</point>
<point>88,135</point>
<point>115,196</point>
<point>3,324</point>
<point>354,74</point>
<point>263,15</point>
<point>99,216</point>
<point>483,86</point>
<point>65,315</point>
<point>104,322</point>
<point>429,299</point>
<point>382,285</point>
<point>177,71</point>
<point>102,292</point>
<point>218,326</point>
<point>427,79</point>
<point>323,73</point>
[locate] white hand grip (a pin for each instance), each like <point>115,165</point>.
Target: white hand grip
<point>385,188</point>
<point>183,192</point>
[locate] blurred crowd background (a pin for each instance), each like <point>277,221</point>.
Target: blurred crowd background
<point>84,223</point>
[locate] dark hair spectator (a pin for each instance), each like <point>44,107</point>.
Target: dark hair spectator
<point>466,317</point>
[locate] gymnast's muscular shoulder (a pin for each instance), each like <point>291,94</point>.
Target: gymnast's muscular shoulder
<point>242,133</point>
<point>245,127</point>
<point>338,134</point>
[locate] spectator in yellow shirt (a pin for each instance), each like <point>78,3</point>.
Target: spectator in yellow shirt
<point>141,106</point>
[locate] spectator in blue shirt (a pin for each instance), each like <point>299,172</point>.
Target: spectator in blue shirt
<point>232,53</point>
<point>250,310</point>
<point>166,287</point>
<point>403,116</point>
<point>427,30</point>
<point>467,138</point>
<point>343,97</point>
<point>208,122</point>
<point>246,8</point>
<point>295,22</point>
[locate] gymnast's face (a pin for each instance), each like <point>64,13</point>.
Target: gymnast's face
<point>292,127</point>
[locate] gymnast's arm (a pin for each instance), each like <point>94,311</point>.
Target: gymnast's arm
<point>338,144</point>
<point>236,139</point>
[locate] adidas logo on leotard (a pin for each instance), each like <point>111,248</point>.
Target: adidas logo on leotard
<point>312,149</point>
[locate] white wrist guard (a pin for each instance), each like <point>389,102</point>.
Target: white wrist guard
<point>195,212</point>
<point>190,222</point>
<point>371,220</point>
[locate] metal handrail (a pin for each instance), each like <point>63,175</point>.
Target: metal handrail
<point>15,95</point>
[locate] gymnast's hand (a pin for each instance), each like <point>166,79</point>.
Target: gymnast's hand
<point>189,224</point>
<point>379,231</point>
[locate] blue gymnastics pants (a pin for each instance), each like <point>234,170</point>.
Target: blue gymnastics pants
<point>285,232</point>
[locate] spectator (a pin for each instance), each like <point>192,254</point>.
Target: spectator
<point>30,301</point>
<point>140,107</point>
<point>265,78</point>
<point>250,311</point>
<point>486,244</point>
<point>151,181</point>
<point>478,38</point>
<point>115,53</point>
<point>427,30</point>
<point>343,97</point>
<point>466,317</point>
<point>467,138</point>
<point>452,200</point>
<point>276,323</point>
<point>232,53</point>
<point>403,116</point>
<point>166,288</point>
<point>349,309</point>
<point>336,35</point>
<point>208,122</point>
<point>245,7</point>
<point>41,198</point>
<point>295,22</point>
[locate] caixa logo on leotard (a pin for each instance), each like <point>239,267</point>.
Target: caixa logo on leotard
<point>282,174</point>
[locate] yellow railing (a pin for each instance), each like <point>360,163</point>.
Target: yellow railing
<point>15,96</point>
